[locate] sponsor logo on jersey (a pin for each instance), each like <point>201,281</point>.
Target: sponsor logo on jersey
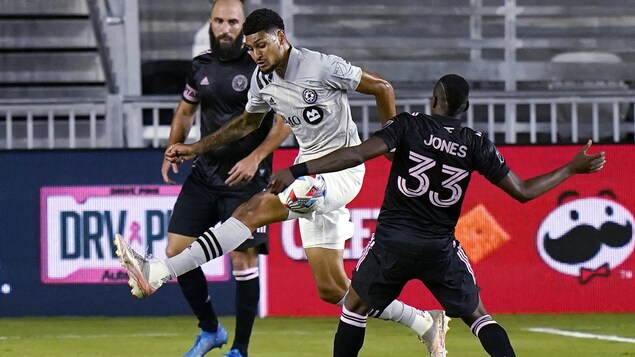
<point>239,83</point>
<point>313,115</point>
<point>309,96</point>
<point>205,81</point>
<point>272,102</point>
<point>586,237</point>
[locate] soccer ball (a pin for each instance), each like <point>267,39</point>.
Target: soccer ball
<point>304,195</point>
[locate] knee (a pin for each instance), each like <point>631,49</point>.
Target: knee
<point>243,260</point>
<point>249,209</point>
<point>261,209</point>
<point>330,293</point>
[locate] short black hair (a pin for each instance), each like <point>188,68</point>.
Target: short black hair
<point>456,90</point>
<point>262,20</point>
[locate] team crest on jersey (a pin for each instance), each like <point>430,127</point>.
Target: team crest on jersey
<point>239,83</point>
<point>309,96</point>
<point>313,115</point>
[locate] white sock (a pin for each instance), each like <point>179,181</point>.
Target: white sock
<point>341,302</point>
<point>210,245</point>
<point>406,315</point>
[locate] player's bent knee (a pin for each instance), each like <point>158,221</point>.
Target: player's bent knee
<point>261,209</point>
<point>331,293</point>
<point>246,259</point>
<point>250,208</point>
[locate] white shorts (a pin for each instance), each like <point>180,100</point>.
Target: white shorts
<point>330,226</point>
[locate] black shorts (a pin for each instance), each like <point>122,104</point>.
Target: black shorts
<point>199,207</point>
<point>380,276</point>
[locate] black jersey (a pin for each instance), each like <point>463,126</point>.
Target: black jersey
<point>221,88</point>
<point>430,172</point>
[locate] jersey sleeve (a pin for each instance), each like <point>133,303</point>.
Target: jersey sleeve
<point>190,92</point>
<point>490,162</point>
<point>255,102</point>
<point>340,74</point>
<point>394,130</point>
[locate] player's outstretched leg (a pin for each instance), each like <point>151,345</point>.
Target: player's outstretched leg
<point>434,337</point>
<point>207,341</point>
<point>146,275</point>
<point>430,326</point>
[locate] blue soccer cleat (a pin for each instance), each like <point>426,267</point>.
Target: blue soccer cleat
<point>206,341</point>
<point>234,352</point>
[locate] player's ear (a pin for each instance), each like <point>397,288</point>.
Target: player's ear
<point>467,105</point>
<point>434,101</point>
<point>281,36</point>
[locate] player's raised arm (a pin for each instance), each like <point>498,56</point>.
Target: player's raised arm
<point>233,130</point>
<point>383,92</point>
<point>526,190</point>
<point>338,160</point>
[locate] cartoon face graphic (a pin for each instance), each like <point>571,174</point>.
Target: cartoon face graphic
<point>586,237</point>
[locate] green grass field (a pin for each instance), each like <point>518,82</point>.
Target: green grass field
<point>607,335</point>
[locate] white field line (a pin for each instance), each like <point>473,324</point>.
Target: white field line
<point>166,334</point>
<point>73,336</point>
<point>554,331</point>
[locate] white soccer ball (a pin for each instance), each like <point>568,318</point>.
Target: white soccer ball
<point>306,194</point>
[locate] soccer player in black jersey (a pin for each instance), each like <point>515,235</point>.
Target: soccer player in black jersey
<point>433,160</point>
<point>221,179</point>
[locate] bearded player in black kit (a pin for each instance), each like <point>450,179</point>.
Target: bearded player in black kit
<point>433,160</point>
<point>221,179</point>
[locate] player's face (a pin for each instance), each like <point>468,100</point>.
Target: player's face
<point>266,49</point>
<point>226,23</point>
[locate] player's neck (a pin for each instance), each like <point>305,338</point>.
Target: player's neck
<point>281,68</point>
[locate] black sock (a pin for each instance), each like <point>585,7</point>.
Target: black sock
<point>194,287</point>
<point>493,337</point>
<point>349,338</point>
<point>247,296</point>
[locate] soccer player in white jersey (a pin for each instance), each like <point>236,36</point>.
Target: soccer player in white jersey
<point>309,89</point>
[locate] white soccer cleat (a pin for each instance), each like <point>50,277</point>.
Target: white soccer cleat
<point>138,269</point>
<point>434,337</point>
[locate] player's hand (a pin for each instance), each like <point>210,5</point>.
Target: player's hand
<point>242,172</point>
<point>179,152</point>
<point>586,164</point>
<point>280,180</point>
<point>165,171</point>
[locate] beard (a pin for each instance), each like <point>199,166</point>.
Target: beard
<point>226,52</point>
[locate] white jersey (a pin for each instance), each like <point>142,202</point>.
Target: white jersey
<point>313,100</point>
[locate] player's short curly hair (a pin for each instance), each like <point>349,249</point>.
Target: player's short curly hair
<point>262,20</point>
<point>456,90</point>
